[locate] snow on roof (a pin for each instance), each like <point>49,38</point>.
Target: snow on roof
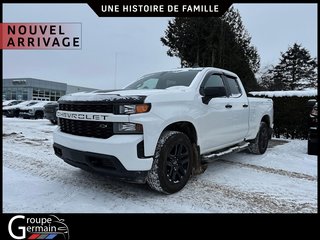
<point>294,93</point>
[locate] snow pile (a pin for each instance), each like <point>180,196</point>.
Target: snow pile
<point>294,93</point>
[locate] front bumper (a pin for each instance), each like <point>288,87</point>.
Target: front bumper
<point>26,115</point>
<point>104,164</point>
<point>124,148</point>
<point>10,113</point>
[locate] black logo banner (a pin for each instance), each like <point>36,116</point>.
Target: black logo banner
<point>166,8</point>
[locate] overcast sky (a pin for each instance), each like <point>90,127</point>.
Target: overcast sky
<point>136,42</point>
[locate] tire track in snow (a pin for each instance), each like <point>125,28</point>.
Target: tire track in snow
<point>51,169</point>
<point>258,200</point>
<point>271,170</point>
<point>198,195</point>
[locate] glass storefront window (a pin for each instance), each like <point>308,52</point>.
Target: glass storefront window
<point>21,93</point>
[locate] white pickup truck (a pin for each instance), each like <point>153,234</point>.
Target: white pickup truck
<point>163,128</point>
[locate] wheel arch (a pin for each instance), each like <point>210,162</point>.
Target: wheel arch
<point>266,119</point>
<point>185,127</point>
<point>39,111</point>
<point>189,129</point>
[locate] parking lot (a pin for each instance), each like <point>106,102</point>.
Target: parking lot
<point>282,180</point>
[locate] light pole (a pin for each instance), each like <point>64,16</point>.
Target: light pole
<point>115,69</point>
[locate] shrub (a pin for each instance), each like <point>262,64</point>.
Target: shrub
<point>290,115</point>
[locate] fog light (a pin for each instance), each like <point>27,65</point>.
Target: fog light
<point>127,128</point>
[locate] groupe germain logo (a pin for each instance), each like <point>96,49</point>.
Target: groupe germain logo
<point>51,227</point>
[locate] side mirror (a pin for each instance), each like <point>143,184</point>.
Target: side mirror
<point>213,92</point>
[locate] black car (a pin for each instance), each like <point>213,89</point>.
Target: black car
<point>313,129</point>
<point>50,111</point>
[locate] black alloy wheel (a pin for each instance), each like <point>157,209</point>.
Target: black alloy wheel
<point>178,161</point>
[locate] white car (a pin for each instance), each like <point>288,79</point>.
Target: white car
<point>10,102</point>
<point>162,128</point>
<point>35,111</point>
<point>14,110</point>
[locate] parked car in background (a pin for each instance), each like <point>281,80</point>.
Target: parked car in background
<point>11,102</point>
<point>50,110</point>
<point>14,110</point>
<point>313,129</point>
<point>35,111</point>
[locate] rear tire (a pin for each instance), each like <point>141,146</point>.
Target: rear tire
<point>260,143</point>
<point>172,164</point>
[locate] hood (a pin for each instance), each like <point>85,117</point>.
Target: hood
<point>37,105</point>
<point>122,95</point>
<point>10,107</point>
<point>20,105</point>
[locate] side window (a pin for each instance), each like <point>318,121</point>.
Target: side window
<point>149,84</point>
<point>214,81</point>
<point>234,87</point>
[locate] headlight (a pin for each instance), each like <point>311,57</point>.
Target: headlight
<point>127,128</point>
<point>134,108</point>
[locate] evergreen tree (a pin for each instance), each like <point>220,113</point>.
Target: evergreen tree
<point>296,70</point>
<point>216,42</point>
<point>266,80</point>
<point>243,38</point>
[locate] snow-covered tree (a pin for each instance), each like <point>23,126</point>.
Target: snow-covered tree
<point>211,41</point>
<point>296,70</point>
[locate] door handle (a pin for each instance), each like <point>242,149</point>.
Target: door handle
<point>228,106</point>
<point>245,105</point>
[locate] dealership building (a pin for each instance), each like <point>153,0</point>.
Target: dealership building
<point>36,89</point>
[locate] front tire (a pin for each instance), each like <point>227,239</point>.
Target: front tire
<point>38,115</point>
<point>16,113</point>
<point>172,164</point>
<point>260,143</point>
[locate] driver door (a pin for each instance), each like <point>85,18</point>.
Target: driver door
<point>216,121</point>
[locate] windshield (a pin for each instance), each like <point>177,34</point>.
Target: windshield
<point>163,80</point>
<point>32,103</point>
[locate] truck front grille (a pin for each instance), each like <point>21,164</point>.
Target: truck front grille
<point>86,107</point>
<point>86,128</point>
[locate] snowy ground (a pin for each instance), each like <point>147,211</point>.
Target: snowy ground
<point>35,180</point>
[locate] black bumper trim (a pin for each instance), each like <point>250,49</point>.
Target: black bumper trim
<point>106,165</point>
<point>25,115</point>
